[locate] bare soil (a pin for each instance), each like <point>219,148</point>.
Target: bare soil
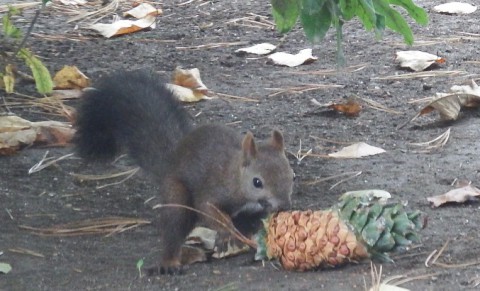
<point>182,38</point>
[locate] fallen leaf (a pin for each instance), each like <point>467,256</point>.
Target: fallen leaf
<point>350,108</point>
<point>286,59</point>
<point>258,49</point>
<point>70,77</point>
<point>417,60</point>
<point>205,237</point>
<point>357,150</point>
<point>187,85</point>
<point>458,195</point>
<point>124,26</point>
<point>5,268</point>
<point>186,94</point>
<point>142,10</point>
<point>455,8</point>
<point>9,79</point>
<point>53,133</point>
<point>189,79</point>
<point>16,132</point>
<point>449,104</point>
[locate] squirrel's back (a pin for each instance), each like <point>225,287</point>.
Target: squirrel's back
<point>131,111</point>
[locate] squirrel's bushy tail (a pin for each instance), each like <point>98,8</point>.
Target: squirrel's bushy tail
<point>132,111</point>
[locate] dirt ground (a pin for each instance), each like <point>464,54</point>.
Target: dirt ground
<point>184,37</point>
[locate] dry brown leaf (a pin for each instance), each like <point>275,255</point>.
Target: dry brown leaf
<point>449,106</point>
<point>417,60</point>
<point>357,150</point>
<point>16,132</point>
<point>142,10</point>
<point>70,77</point>
<point>350,108</point>
<point>458,195</point>
<point>53,133</point>
<point>188,86</point>
<point>124,26</point>
<point>286,59</point>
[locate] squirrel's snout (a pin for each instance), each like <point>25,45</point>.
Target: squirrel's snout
<point>273,205</point>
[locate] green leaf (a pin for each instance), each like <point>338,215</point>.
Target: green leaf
<point>379,26</point>
<point>312,6</point>
<point>394,20</point>
<point>42,77</point>
<point>5,268</point>
<point>285,14</point>
<point>366,13</point>
<point>348,8</point>
<point>416,12</point>
<point>316,24</point>
<point>9,29</point>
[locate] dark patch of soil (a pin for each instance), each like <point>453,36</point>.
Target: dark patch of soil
<point>52,196</point>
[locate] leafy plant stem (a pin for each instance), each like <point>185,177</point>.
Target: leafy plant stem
<point>339,39</point>
<point>30,28</point>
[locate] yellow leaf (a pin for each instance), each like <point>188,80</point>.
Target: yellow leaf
<point>70,77</point>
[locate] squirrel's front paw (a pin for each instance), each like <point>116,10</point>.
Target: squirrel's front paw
<point>166,269</point>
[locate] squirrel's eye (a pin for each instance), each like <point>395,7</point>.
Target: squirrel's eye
<point>257,183</point>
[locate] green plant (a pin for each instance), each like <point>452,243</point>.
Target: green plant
<point>317,16</point>
<point>15,49</point>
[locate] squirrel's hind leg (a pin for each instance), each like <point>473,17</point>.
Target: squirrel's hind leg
<point>176,223</point>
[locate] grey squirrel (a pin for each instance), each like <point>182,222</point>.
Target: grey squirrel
<point>194,166</point>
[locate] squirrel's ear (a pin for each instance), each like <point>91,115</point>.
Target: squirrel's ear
<point>277,140</point>
<point>249,148</point>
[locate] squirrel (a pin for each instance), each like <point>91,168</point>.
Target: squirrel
<point>194,166</point>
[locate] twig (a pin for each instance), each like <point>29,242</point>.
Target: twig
<point>229,228</point>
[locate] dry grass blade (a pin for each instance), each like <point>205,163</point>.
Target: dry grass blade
<point>222,219</point>
<point>128,174</point>
<point>376,277</point>
<point>26,252</point>
<point>96,15</point>
<point>375,105</point>
<point>435,143</point>
<point>107,226</point>
<point>46,162</point>
<point>350,69</point>
<point>302,88</point>
<point>426,74</point>
<point>253,21</point>
<point>246,99</point>
<point>432,260</point>
<point>212,45</point>
<point>299,155</point>
<point>350,175</point>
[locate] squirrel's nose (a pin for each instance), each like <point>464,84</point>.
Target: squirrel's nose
<point>275,205</point>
